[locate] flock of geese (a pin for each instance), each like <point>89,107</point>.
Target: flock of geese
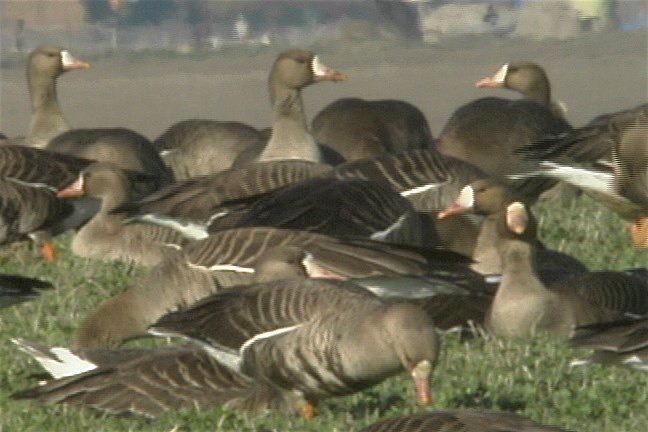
<point>302,263</point>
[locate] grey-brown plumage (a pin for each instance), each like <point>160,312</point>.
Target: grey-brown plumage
<point>461,420</point>
<point>125,148</point>
<point>359,128</point>
<point>32,165</point>
<point>44,65</point>
<point>106,236</point>
<point>313,337</point>
<point>486,131</point>
<point>620,343</point>
<point>16,289</point>
<point>335,207</point>
<point>229,258</point>
<point>524,305</point>
<point>489,197</point>
<point>197,147</point>
<point>290,138</point>
<point>148,382</point>
<point>200,198</point>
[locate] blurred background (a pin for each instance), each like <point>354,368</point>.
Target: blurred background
<point>196,25</point>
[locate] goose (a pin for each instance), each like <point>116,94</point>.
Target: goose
<point>428,179</point>
<point>125,148</point>
<point>358,128</point>
<point>485,132</point>
<point>149,382</point>
<point>460,420</point>
<point>29,211</point>
<point>622,343</point>
<point>16,289</point>
<point>489,197</point>
<point>336,207</point>
<point>44,65</point>
<point>106,237</point>
<point>313,338</point>
<point>523,305</point>
<point>229,258</point>
<point>620,183</point>
<point>228,144</point>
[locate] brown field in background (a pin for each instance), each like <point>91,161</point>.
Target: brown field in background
<point>593,74</point>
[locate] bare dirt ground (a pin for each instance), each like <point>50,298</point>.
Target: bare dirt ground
<point>592,75</point>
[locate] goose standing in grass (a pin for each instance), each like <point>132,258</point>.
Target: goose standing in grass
<point>304,348</point>
<point>620,181</point>
<point>523,305</point>
<point>193,147</point>
<point>485,132</point>
<point>461,420</point>
<point>621,343</point>
<point>230,258</point>
<point>106,236</point>
<point>358,128</point>
<point>44,65</point>
<point>313,339</point>
<point>16,289</point>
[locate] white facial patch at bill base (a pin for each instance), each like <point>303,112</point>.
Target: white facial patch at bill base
<point>500,76</point>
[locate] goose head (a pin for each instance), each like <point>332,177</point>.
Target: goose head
<point>103,181</point>
<point>416,344</point>
<point>525,77</point>
<point>483,197</point>
<point>51,61</point>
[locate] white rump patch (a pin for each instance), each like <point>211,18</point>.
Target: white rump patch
<point>58,361</point>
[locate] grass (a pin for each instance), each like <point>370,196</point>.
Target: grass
<point>530,377</point>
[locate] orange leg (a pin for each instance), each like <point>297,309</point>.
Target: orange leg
<point>639,232</point>
<point>309,410</point>
<point>48,250</point>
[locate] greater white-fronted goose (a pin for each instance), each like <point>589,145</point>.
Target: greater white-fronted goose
<point>290,138</point>
<point>461,420</point>
<point>336,207</point>
<point>620,343</point>
<point>313,338</point>
<point>16,289</point>
<point>125,148</point>
<point>485,132</point>
<point>489,197</point>
<point>229,258</point>
<point>426,178</point>
<point>524,305</point>
<point>358,128</point>
<point>622,183</point>
<point>148,381</point>
<point>193,148</point>
<point>106,236</point>
<point>44,65</point>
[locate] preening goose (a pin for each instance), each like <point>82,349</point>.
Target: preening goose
<point>148,381</point>
<point>229,258</point>
<point>44,65</point>
<point>106,236</point>
<point>313,338</point>
<point>461,420</point>
<point>485,132</point>
<point>524,305</point>
<point>16,289</point>
<point>191,147</point>
<point>621,343</point>
<point>358,128</point>
<point>622,182</point>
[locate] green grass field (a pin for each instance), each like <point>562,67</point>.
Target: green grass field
<point>531,378</point>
